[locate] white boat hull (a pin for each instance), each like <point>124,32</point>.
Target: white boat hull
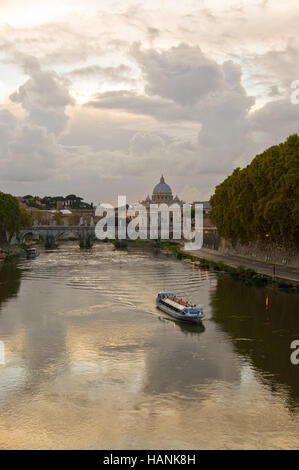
<point>179,316</point>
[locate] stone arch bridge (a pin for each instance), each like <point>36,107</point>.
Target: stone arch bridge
<point>51,233</point>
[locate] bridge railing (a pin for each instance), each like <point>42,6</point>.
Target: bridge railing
<point>56,227</point>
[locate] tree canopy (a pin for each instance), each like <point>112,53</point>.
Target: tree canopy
<point>50,202</point>
<point>10,215</point>
<point>261,201</point>
<point>26,218</point>
<point>57,217</point>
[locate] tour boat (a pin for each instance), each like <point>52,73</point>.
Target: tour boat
<point>32,253</point>
<point>178,308</point>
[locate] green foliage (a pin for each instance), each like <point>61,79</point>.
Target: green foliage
<point>175,249</point>
<point>40,217</point>
<point>74,219</point>
<point>10,215</point>
<point>50,202</point>
<point>248,276</point>
<point>57,217</point>
<point>120,244</point>
<point>31,203</point>
<point>26,218</point>
<point>262,200</point>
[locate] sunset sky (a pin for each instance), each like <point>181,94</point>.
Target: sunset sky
<point>99,97</point>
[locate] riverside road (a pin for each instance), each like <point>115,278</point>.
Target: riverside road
<point>285,273</point>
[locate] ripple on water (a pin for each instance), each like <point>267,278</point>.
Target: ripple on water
<point>90,359</point>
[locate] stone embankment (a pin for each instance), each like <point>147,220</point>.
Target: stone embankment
<point>275,271</point>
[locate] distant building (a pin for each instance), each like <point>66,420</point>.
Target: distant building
<point>162,194</point>
<point>59,205</point>
<point>206,206</point>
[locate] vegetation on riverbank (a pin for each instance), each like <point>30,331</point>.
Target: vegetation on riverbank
<point>247,275</point>
<point>120,244</point>
<point>124,244</point>
<point>12,252</point>
<point>174,249</point>
<point>12,217</point>
<point>261,201</point>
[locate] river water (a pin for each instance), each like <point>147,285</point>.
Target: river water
<point>91,363</point>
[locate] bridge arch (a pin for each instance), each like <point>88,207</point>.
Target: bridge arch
<point>50,234</point>
<point>24,233</point>
<point>70,233</point>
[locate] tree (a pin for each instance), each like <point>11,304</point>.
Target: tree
<point>75,201</point>
<point>57,217</point>
<point>261,200</point>
<point>74,219</point>
<point>10,216</point>
<point>40,217</point>
<point>26,218</point>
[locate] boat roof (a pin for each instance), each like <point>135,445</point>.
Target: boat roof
<point>181,302</point>
<point>174,304</point>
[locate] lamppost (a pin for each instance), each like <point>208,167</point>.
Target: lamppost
<point>267,235</point>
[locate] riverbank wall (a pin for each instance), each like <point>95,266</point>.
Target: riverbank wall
<point>280,274</point>
<point>264,251</point>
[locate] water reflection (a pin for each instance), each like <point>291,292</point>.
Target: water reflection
<point>91,362</point>
<point>261,324</point>
<point>185,327</point>
<point>10,276</point>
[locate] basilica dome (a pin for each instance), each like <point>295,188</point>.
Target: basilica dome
<point>162,187</point>
<point>162,192</point>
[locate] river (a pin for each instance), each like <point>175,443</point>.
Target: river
<point>90,362</point>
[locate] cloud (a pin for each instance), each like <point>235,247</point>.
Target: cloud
<point>119,74</point>
<point>137,103</point>
<point>274,70</point>
<point>183,103</point>
<point>44,96</point>
<point>275,121</point>
<point>143,144</point>
<point>183,74</point>
<point>27,152</point>
<point>29,148</point>
<point>183,84</point>
<point>153,33</point>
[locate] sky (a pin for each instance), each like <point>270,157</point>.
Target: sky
<point>99,97</point>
